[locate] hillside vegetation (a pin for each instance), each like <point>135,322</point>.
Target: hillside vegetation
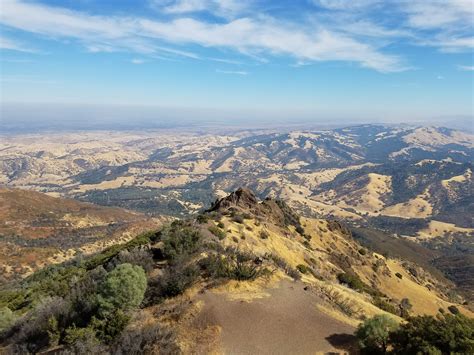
<point>201,285</point>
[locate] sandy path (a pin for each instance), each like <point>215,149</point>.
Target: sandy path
<point>287,322</point>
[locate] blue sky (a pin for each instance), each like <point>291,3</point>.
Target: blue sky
<point>322,59</point>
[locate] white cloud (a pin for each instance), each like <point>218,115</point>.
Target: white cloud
<point>345,4</point>
<point>466,67</point>
<point>444,24</point>
<point>9,44</point>
<point>137,61</point>
<point>260,37</point>
<point>222,8</point>
<point>436,14</point>
<point>447,25</point>
<point>234,72</point>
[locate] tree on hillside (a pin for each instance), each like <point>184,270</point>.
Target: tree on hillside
<point>374,334</point>
<point>405,308</point>
<point>443,334</point>
<point>6,318</point>
<point>123,289</point>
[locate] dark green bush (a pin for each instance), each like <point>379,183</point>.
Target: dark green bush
<point>233,264</point>
<point>177,280</point>
<point>299,229</point>
<point>352,280</point>
<point>179,241</point>
<point>453,309</point>
<point>385,305</point>
<point>443,334</point>
<point>219,233</point>
<point>400,276</point>
<point>302,268</point>
<point>109,327</point>
<point>202,218</point>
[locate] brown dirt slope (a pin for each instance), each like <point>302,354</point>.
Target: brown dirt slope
<point>37,229</point>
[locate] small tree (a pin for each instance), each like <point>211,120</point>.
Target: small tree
<point>405,308</point>
<point>6,318</point>
<point>123,288</point>
<point>374,333</point>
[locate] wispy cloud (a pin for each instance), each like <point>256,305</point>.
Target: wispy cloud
<point>232,72</point>
<point>261,36</point>
<point>445,24</point>
<point>10,44</point>
<point>466,67</point>
<point>222,8</point>
<point>137,61</point>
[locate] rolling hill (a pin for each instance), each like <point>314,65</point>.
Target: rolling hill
<point>404,181</point>
<point>37,230</point>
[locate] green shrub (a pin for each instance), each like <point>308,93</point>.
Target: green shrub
<point>202,218</point>
<point>405,308</point>
<point>6,318</point>
<point>352,280</point>
<point>299,229</point>
<point>177,280</point>
<point>219,233</point>
<point>400,276</point>
<point>81,340</point>
<point>53,331</point>
<point>180,240</point>
<point>109,327</point>
<point>362,251</point>
<point>244,270</point>
<point>453,309</point>
<point>215,266</point>
<point>374,333</point>
<point>385,305</point>
<point>221,225</point>
<point>123,289</point>
<point>302,268</point>
<point>234,265</point>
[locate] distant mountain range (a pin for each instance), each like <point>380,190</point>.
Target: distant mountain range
<point>406,182</point>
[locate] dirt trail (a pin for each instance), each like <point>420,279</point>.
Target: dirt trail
<point>287,322</point>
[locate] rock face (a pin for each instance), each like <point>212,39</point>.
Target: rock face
<point>244,201</point>
<point>242,197</point>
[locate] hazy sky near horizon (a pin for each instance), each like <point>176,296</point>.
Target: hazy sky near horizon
<point>389,60</point>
